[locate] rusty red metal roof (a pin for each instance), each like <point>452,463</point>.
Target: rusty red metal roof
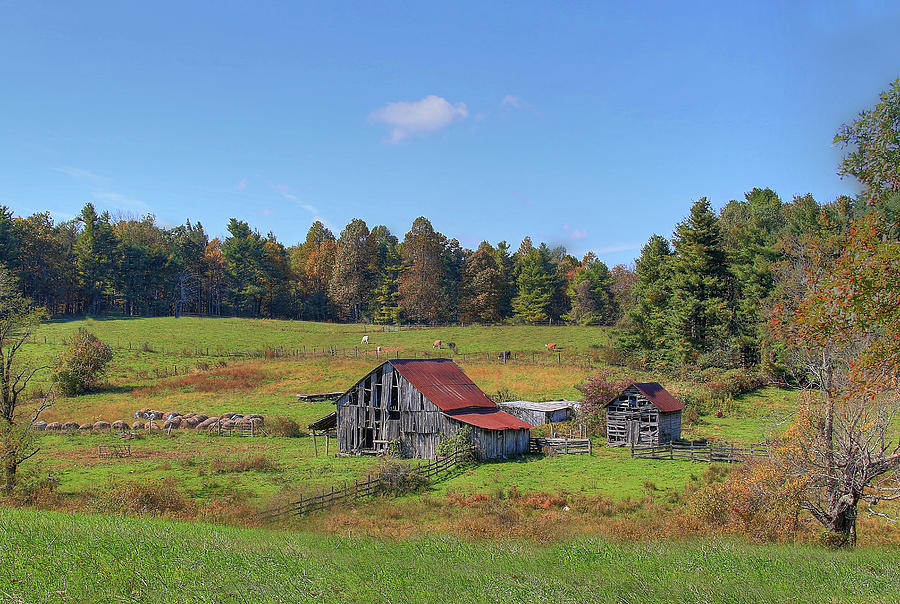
<point>443,383</point>
<point>656,394</point>
<point>490,419</point>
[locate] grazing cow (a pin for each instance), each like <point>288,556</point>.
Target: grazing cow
<point>437,344</point>
<point>550,346</point>
<point>365,340</point>
<point>378,350</point>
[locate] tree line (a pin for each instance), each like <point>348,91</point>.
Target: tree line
<point>103,265</point>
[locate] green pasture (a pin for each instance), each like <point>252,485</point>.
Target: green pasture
<point>47,556</point>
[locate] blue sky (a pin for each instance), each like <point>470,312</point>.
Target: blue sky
<point>591,125</point>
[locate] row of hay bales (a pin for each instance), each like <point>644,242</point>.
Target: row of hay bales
<point>174,420</point>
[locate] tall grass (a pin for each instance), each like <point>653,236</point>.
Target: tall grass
<point>62,557</point>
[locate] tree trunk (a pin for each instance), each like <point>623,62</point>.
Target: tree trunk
<point>9,473</point>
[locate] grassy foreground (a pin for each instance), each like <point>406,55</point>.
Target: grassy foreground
<point>60,557</point>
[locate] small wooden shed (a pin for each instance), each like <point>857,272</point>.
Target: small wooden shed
<point>420,402</point>
<point>643,414</point>
<point>537,413</point>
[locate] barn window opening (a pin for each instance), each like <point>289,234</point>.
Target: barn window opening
<point>376,387</point>
<point>394,400</point>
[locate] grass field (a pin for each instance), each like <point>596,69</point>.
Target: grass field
<point>78,558</point>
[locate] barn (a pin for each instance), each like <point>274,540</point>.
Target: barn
<point>537,413</point>
<point>643,414</point>
<point>419,403</point>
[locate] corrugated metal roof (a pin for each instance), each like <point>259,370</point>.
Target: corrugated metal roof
<point>490,419</point>
<point>546,406</point>
<point>656,394</point>
<point>443,383</point>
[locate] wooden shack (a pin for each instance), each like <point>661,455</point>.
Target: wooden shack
<point>418,403</point>
<point>537,413</point>
<point>643,414</point>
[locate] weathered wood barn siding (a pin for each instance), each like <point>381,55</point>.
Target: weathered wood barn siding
<point>633,418</point>
<point>385,406</point>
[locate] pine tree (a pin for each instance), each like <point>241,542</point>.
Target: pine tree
<point>352,277</point>
<point>422,297</point>
<point>483,286</point>
<point>535,287</point>
<point>96,255</point>
<point>700,316</point>
<point>590,293</point>
<point>652,292</point>
<point>389,265</point>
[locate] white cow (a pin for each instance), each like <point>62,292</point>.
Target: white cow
<point>365,340</point>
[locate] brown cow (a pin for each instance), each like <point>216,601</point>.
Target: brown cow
<point>437,344</point>
<point>550,346</point>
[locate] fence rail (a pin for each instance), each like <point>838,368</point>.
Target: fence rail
<point>363,488</point>
<point>563,446</point>
<point>114,451</point>
<point>707,452</point>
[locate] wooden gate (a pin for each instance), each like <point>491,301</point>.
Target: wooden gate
<point>634,432</point>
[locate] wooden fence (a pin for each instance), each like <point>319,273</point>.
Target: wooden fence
<point>240,430</point>
<point>363,488</point>
<point>707,452</point>
<point>114,451</point>
<point>563,446</point>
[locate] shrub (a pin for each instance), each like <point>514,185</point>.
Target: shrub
<point>283,426</point>
<point>461,440</point>
<point>82,367</point>
<point>398,477</point>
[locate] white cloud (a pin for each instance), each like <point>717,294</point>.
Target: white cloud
<point>119,201</point>
<point>241,184</point>
<point>410,118</point>
<point>578,234</point>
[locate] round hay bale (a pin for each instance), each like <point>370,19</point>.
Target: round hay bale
<point>254,416</point>
<point>101,425</point>
<point>86,427</point>
<point>120,425</point>
<point>201,417</point>
<point>39,425</point>
<point>155,415</point>
<point>71,426</point>
<point>228,423</point>
<point>228,415</point>
<point>137,426</point>
<point>190,422</point>
<point>210,421</point>
<point>54,426</point>
<point>256,421</point>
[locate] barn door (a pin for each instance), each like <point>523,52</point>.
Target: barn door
<point>633,428</point>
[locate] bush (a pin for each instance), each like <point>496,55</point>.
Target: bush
<point>283,426</point>
<point>82,367</point>
<point>461,440</point>
<point>398,477</point>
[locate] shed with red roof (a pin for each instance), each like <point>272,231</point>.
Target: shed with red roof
<point>643,414</point>
<point>417,403</point>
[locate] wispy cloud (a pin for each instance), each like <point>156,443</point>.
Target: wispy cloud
<point>79,173</point>
<point>411,118</point>
<point>578,234</point>
<point>120,201</point>
<point>515,102</point>
<point>241,184</point>
<point>626,247</point>
<point>285,191</point>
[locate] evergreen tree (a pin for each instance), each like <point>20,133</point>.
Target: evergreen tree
<point>700,316</point>
<point>422,296</point>
<point>652,293</point>
<point>483,286</point>
<point>535,284</point>
<point>389,263</point>
<point>352,278</point>
<point>96,255</point>
<point>590,293</point>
